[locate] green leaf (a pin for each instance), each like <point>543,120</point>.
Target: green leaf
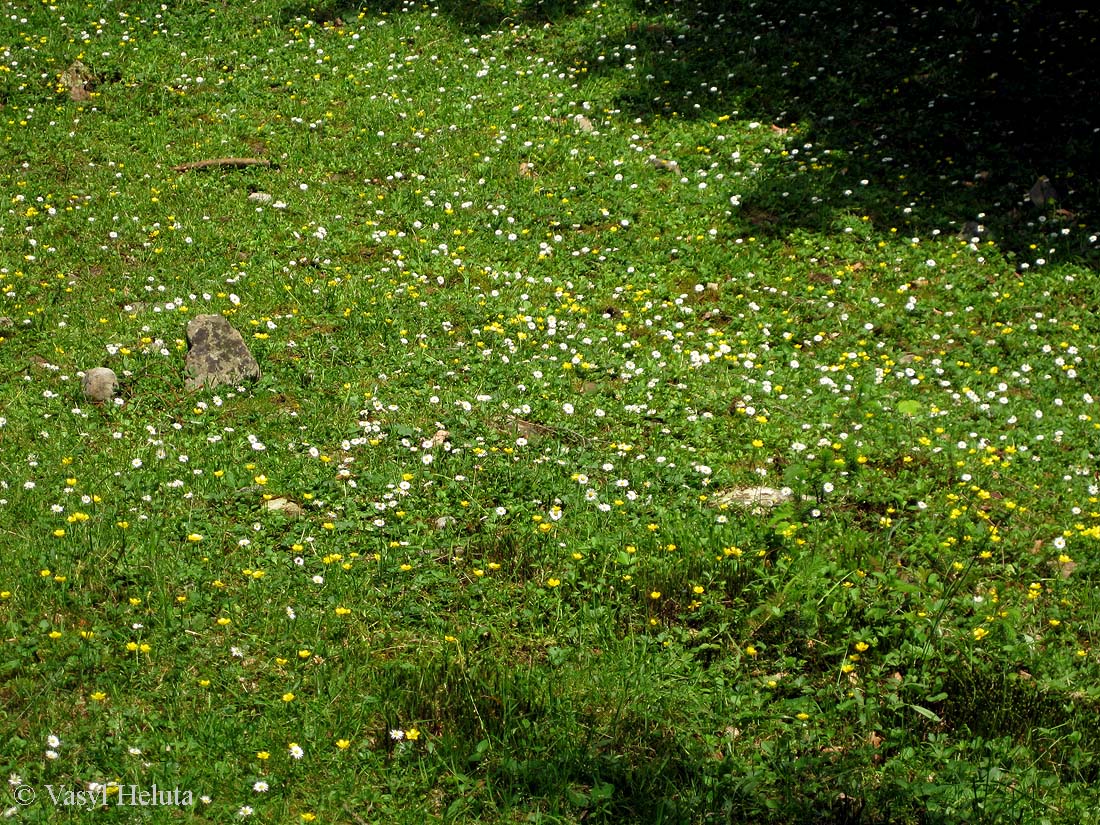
<point>926,713</point>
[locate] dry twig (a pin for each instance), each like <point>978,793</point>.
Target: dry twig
<point>221,163</point>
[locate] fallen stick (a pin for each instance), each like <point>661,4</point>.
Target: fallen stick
<point>221,163</point>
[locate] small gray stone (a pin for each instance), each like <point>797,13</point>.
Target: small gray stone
<point>664,165</point>
<point>1042,192</point>
<point>79,80</point>
<point>972,231</point>
<point>217,354</point>
<point>100,384</point>
<point>288,508</point>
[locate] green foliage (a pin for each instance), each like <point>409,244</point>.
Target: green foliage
<point>637,441</point>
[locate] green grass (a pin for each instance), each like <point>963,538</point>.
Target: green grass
<point>539,290</point>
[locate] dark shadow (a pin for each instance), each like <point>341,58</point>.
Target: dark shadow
<point>954,111</point>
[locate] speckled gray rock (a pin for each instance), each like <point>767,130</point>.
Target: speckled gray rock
<point>100,384</point>
<point>217,354</point>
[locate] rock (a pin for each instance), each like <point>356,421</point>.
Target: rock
<point>1042,192</point>
<point>755,499</point>
<point>753,496</point>
<point>664,165</point>
<point>78,81</point>
<point>584,124</point>
<point>288,508</point>
<point>100,384</point>
<point>217,354</point>
<point>972,231</point>
<point>260,197</point>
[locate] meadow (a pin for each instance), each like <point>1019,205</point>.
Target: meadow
<point>670,412</point>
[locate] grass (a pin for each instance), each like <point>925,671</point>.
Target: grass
<point>544,294</point>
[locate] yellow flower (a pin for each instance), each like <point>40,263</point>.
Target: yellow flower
<point>263,755</point>
<point>802,716</point>
<point>223,621</point>
<point>343,744</point>
<point>55,634</point>
<point>342,611</point>
<point>288,697</point>
<point>193,537</point>
<point>697,590</point>
<point>412,734</point>
<point>304,654</point>
<point>980,633</point>
<point>862,646</point>
<point>99,696</point>
<point>656,594</point>
<point>552,582</point>
<point>751,651</point>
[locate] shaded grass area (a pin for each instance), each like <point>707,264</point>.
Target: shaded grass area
<point>948,113</point>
